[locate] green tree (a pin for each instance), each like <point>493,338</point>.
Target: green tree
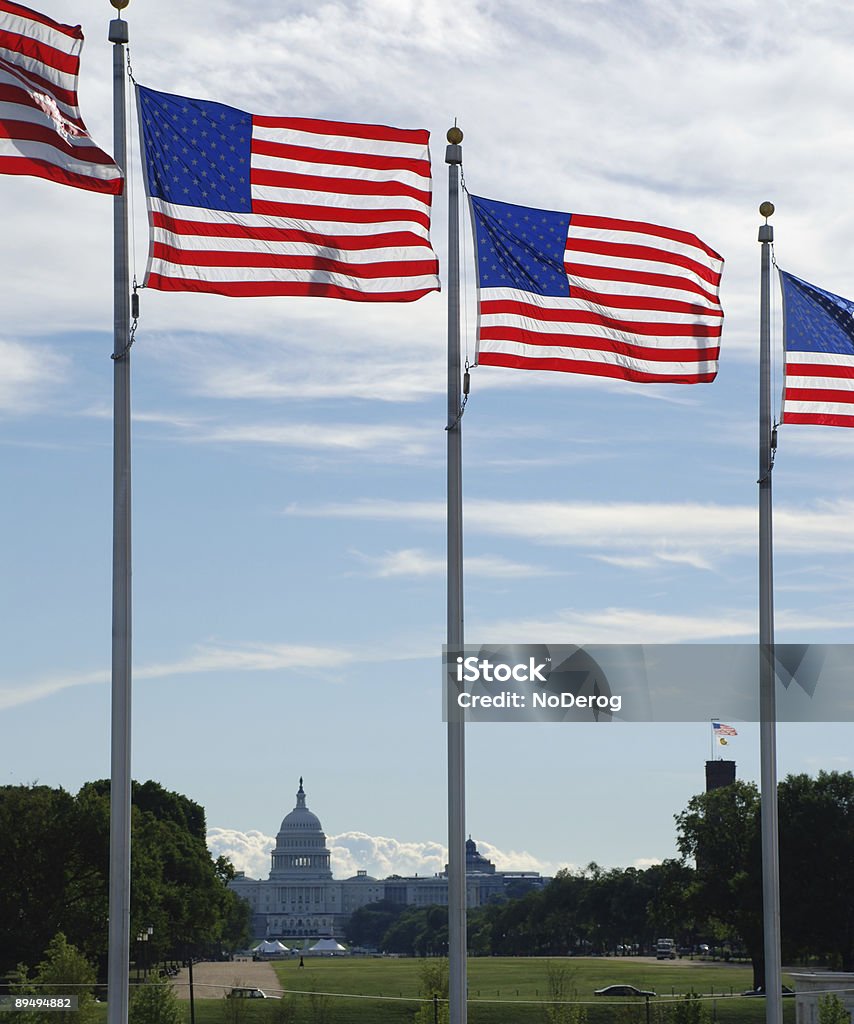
<point>831,1010</point>
<point>816,858</point>
<point>720,830</point>
<point>433,985</point>
<point>368,924</point>
<point>64,971</point>
<point>154,1003</point>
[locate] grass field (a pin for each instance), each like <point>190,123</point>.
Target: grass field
<point>509,990</point>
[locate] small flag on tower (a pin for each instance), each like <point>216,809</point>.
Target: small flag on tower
<point>241,204</point>
<point>818,336</point>
<point>596,295</point>
<point>41,131</point>
<point>721,732</point>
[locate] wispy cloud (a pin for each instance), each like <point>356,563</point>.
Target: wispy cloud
<point>205,658</point>
<point>28,374</point>
<point>678,532</point>
<point>414,563</point>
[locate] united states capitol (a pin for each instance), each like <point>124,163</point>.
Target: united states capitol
<point>302,899</point>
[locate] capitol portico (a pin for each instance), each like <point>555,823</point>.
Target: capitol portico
<point>300,899</point>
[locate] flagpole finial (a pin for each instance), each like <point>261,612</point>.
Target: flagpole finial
<point>455,136</point>
<point>766,209</point>
<point>119,4</point>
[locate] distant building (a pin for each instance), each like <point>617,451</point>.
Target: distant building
<point>301,899</point>
<point>719,774</point>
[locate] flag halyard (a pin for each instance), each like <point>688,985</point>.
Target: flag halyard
<point>241,204</point>
<point>595,295</point>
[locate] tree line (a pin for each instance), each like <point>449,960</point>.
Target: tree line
<point>711,894</point>
<point>54,852</point>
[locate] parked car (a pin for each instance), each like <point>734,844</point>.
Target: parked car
<point>761,991</point>
<point>622,990</point>
<point>245,993</point>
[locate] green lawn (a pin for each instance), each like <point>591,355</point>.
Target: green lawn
<point>502,990</point>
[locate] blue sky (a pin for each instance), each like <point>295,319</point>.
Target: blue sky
<point>288,455</point>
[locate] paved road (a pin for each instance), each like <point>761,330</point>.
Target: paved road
<point>212,980</point>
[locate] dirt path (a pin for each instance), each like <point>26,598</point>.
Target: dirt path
<point>213,980</point>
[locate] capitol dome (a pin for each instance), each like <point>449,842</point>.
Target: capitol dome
<point>301,851</point>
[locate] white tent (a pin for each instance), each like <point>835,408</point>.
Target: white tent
<point>271,947</point>
<point>327,946</point>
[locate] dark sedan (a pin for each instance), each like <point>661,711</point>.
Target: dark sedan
<point>622,990</point>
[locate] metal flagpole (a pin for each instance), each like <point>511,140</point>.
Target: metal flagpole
<point>120,781</point>
<point>456,736</point>
<point>767,679</point>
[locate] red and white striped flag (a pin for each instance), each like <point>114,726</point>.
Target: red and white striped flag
<point>596,295</point>
<point>41,131</point>
<point>241,204</point>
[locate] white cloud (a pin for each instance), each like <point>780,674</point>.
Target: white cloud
<point>28,374</point>
<point>380,856</point>
<point>416,563</point>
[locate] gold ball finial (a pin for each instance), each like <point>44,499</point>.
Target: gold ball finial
<point>119,4</point>
<point>766,209</point>
<point>455,136</point>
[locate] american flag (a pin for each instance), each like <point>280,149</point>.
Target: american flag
<point>723,730</point>
<point>596,295</point>
<point>246,205</point>
<point>41,131</point>
<point>818,333</point>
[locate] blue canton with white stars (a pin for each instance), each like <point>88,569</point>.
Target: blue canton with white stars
<point>816,320</point>
<point>522,248</point>
<point>197,153</point>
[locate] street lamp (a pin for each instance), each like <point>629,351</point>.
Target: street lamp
<point>144,936</point>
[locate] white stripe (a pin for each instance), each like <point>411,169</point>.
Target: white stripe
<point>305,197</point>
<point>51,155</point>
<point>341,143</point>
<point>535,327</point>
<point>258,220</point>
<point>34,115</point>
<point>621,263</point>
<point>23,26</point>
<point>274,163</point>
<point>819,408</point>
<point>237,275</point>
<point>795,357</point>
<point>561,302</point>
<point>649,291</point>
<point>628,237</point>
<point>36,67</point>
<point>204,243</point>
<point>828,383</point>
<point>687,369</point>
<point>8,76</point>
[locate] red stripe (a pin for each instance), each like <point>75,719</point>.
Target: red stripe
<point>827,419</point>
<point>41,169</point>
<point>341,214</point>
<point>376,162</point>
<point>74,32</point>
<point>818,369</point>
<point>819,395</point>
<point>66,96</point>
<point>24,131</point>
<point>44,53</point>
<point>22,98</point>
<point>642,277</point>
<point>615,224</point>
<point>627,251</point>
<point>643,302</point>
<point>592,369</point>
<point>518,335</point>
<point>336,186</point>
<point>351,243</point>
<point>269,261</point>
<point>380,133</point>
<point>567,315</point>
<point>260,288</point>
